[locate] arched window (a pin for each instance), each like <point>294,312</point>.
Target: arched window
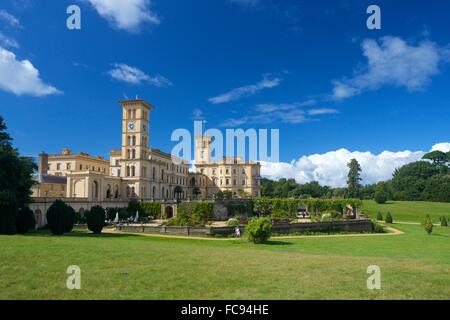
<point>128,171</point>
<point>108,192</point>
<point>129,140</point>
<point>133,171</point>
<point>128,191</point>
<point>154,173</point>
<point>133,154</point>
<point>154,192</point>
<point>95,190</point>
<point>134,140</point>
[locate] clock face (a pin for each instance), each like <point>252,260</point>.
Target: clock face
<point>131,126</point>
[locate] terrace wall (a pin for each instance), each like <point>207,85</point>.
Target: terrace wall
<point>334,226</point>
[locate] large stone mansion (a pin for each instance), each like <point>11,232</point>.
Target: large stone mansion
<point>138,171</point>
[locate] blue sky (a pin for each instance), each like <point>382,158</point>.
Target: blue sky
<point>310,68</point>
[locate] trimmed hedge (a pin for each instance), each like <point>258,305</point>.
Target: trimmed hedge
<point>389,218</point>
<point>150,209</point>
<point>428,224</point>
<point>60,217</point>
<point>379,216</point>
<point>265,207</point>
<point>95,219</point>
<point>25,220</point>
<point>193,214</point>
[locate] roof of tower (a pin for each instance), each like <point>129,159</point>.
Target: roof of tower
<point>136,102</point>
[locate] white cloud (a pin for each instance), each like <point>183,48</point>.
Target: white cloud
<point>132,75</point>
<point>267,82</point>
<point>291,113</point>
<point>197,114</point>
<point>127,15</point>
<point>8,42</point>
<point>393,61</point>
<point>9,19</point>
<point>21,77</point>
<point>444,147</point>
<point>331,168</point>
<point>321,111</point>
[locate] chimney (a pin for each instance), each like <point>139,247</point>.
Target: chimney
<point>43,164</point>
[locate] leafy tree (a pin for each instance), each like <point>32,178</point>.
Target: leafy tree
<point>15,181</point>
<point>381,197</point>
<point>428,224</point>
<point>437,188</point>
<point>259,230</point>
<point>379,216</point>
<point>25,220</point>
<point>95,219</point>
<point>389,218</point>
<point>410,181</point>
<point>438,157</point>
<point>354,179</point>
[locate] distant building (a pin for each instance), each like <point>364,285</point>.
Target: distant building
<point>137,171</point>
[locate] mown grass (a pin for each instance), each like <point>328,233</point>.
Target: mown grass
<point>413,266</point>
<point>408,211</point>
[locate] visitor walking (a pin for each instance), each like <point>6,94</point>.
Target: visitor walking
<point>237,232</point>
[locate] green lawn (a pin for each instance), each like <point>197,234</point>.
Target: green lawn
<point>408,211</point>
<point>413,265</point>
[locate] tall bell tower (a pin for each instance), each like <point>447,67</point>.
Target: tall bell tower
<point>135,165</point>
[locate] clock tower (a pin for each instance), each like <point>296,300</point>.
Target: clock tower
<point>135,165</point>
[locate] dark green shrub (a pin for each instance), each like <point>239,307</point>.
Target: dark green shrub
<point>259,230</point>
<point>60,217</point>
<point>389,218</point>
<point>8,213</point>
<point>70,219</point>
<point>444,222</point>
<point>379,216</point>
<point>377,228</point>
<point>25,220</point>
<point>428,224</point>
<point>79,218</point>
<point>133,206</point>
<point>381,197</point>
<point>95,219</point>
